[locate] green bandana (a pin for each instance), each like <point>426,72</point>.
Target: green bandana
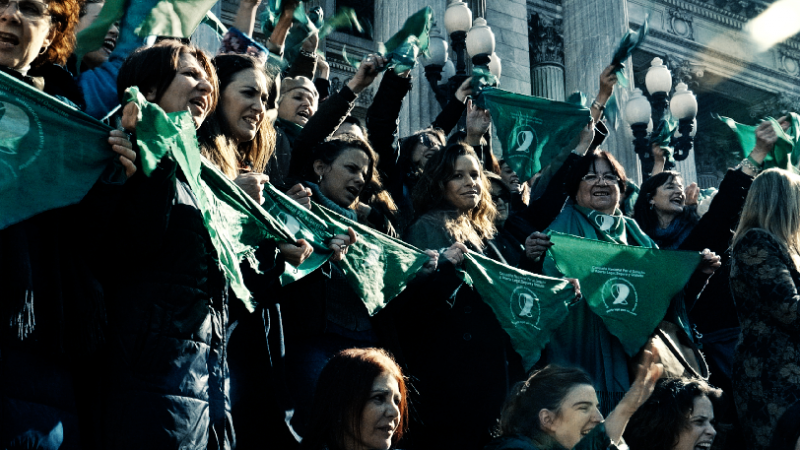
<point>629,287</point>
<point>529,307</point>
<point>41,168</point>
<point>785,154</point>
<point>402,49</point>
<point>616,228</point>
<point>533,130</point>
<point>629,42</point>
<point>235,223</point>
<point>175,18</point>
<point>377,266</point>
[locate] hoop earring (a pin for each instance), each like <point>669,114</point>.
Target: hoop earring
<point>43,50</point>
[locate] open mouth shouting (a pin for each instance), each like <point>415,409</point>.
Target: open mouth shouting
<point>198,106</point>
<point>8,40</point>
<point>354,191</point>
<point>303,114</point>
<point>705,445</point>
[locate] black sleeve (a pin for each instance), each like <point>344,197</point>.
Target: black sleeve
<point>450,115</point>
<point>543,210</point>
<point>383,116</point>
<point>303,66</point>
<point>320,126</point>
<point>714,231</point>
<point>323,86</point>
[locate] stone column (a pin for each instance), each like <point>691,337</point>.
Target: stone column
<point>592,30</point>
<point>546,44</point>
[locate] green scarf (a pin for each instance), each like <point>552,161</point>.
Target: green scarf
<point>615,228</point>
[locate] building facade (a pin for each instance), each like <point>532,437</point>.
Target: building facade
<point>551,48</point>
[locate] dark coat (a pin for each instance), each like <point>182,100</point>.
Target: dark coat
<point>459,357</point>
<point>52,310</point>
<point>168,309</point>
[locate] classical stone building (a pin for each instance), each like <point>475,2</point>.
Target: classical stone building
<point>551,48</point>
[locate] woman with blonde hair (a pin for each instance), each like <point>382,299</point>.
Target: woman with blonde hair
<point>764,277</point>
<point>441,313</point>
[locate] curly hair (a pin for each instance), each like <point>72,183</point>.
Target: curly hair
<point>343,388</point>
<point>428,195</point>
<point>646,217</point>
<point>64,17</point>
<point>658,423</point>
<point>214,134</point>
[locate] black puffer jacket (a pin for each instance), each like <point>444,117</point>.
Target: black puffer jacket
<point>168,311</point>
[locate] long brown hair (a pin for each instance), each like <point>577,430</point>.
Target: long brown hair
<point>478,224</point>
<point>343,388</point>
<point>214,134</point>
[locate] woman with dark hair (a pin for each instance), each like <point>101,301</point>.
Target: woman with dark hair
<point>678,416</point>
<point>556,408</point>
<point>765,259</point>
<point>321,313</point>
<point>48,351</point>
<point>170,311</point>
<point>439,312</point>
<point>360,403</point>
<point>592,211</point>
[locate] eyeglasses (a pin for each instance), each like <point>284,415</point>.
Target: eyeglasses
<point>504,197</point>
<point>28,8</point>
<point>593,178</point>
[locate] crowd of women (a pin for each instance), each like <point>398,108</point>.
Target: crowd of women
<point>121,330</point>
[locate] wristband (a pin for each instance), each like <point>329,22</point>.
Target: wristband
<point>750,158</point>
<point>597,105</point>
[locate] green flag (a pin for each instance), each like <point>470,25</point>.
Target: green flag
<point>176,18</point>
<point>529,307</point>
<point>235,223</point>
<point>532,129</point>
<point>402,49</point>
<point>629,287</point>
<point>785,154</point>
<point>377,266</point>
<point>91,38</point>
<point>629,42</point>
<point>302,224</point>
<point>41,168</point>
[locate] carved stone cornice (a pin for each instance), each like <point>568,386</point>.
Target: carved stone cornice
<point>691,46</point>
<point>788,60</point>
<point>679,23</point>
<point>545,39</point>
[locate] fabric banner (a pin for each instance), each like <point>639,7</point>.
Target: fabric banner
<point>41,167</point>
<point>629,287</point>
<point>235,223</point>
<point>785,154</point>
<point>377,266</point>
<point>532,130</point>
<point>630,41</point>
<point>529,307</point>
<point>301,224</point>
<point>403,48</point>
<point>175,18</point>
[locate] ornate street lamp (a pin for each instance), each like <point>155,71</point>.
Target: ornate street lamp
<point>637,113</point>
<point>684,108</point>
<point>659,82</point>
<point>457,21</point>
<point>435,64</point>
<point>480,42</point>
<point>494,66</point>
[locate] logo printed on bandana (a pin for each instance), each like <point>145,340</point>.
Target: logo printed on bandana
<point>619,295</point>
<point>525,308</point>
<point>524,137</point>
<point>604,221</point>
<point>373,257</point>
<point>17,122</point>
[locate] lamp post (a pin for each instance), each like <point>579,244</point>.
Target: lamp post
<point>684,108</point>
<point>477,39</point>
<point>480,43</point>
<point>639,112</point>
